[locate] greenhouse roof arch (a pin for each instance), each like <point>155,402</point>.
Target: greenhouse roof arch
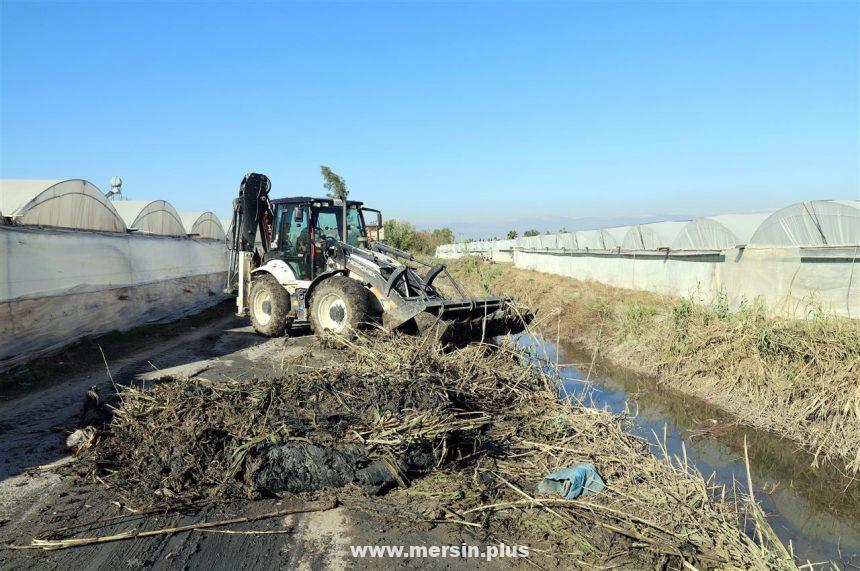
<point>594,240</point>
<point>813,223</point>
<point>719,232</point>
<point>653,236</point>
<point>203,224</point>
<point>72,203</point>
<point>151,216</point>
<point>567,241</point>
<point>615,236</point>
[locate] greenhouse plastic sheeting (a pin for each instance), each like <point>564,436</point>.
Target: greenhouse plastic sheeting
<point>151,216</point>
<point>814,223</point>
<point>789,281</point>
<point>203,225</point>
<point>614,237</point>
<point>718,232</point>
<point>57,286</point>
<point>548,241</point>
<point>593,239</point>
<point>567,241</point>
<point>651,236</point>
<point>62,203</point>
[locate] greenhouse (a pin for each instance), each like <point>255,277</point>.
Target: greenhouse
<point>814,223</point>
<point>794,260</point>
<point>654,236</point>
<point>548,241</point>
<point>594,240</point>
<point>153,217</point>
<point>718,232</point>
<point>567,241</point>
<point>73,203</point>
<point>614,237</point>
<point>202,225</point>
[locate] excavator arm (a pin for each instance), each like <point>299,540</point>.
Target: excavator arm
<point>251,215</point>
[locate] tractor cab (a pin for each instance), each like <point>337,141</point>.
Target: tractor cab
<point>301,226</point>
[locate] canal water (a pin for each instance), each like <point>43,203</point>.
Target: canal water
<point>814,511</point>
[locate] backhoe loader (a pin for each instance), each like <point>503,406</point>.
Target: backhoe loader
<point>304,260</point>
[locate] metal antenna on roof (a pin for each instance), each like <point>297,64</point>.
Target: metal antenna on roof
<point>115,189</point>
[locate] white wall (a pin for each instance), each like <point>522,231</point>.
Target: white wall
<point>789,281</point>
<point>57,286</point>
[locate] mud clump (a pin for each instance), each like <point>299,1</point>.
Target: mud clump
<point>419,436</point>
<point>299,467</point>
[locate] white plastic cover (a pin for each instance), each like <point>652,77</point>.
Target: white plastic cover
<point>58,285</point>
<point>719,232</point>
<point>652,236</point>
<point>202,224</point>
<point>70,203</point>
<point>614,237</point>
<point>567,241</point>
<point>790,281</point>
<point>593,240</point>
<point>548,241</point>
<point>154,217</point>
<point>814,223</point>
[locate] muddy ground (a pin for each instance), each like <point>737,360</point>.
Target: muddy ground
<point>41,405</point>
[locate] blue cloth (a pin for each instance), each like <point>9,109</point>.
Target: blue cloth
<point>570,483</point>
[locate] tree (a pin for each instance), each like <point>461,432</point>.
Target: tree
<point>528,233</point>
<point>423,243</point>
<point>400,234</point>
<point>512,234</point>
<point>442,236</point>
<point>336,187</point>
<point>563,231</point>
<point>404,236</point>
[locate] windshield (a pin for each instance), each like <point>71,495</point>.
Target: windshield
<point>327,223</point>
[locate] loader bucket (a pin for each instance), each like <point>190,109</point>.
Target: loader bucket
<point>471,320</point>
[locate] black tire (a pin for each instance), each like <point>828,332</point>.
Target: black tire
<point>340,305</point>
<point>269,306</point>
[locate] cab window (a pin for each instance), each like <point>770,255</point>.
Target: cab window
<point>327,223</point>
<point>294,237</point>
<point>355,226</point>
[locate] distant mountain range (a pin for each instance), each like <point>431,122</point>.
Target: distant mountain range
<point>484,229</point>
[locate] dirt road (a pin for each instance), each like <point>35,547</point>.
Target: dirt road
<point>35,420</point>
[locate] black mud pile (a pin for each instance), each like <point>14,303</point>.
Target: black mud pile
<point>183,442</point>
<point>426,437</point>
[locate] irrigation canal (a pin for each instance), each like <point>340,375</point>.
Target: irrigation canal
<point>814,511</point>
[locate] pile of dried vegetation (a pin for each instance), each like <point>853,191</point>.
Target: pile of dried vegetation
<point>798,378</point>
<point>461,438</point>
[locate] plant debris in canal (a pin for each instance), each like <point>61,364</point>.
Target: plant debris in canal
<point>402,428</point>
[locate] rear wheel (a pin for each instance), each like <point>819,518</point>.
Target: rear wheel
<point>269,306</point>
<point>340,305</point>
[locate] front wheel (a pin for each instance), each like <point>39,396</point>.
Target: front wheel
<point>269,306</point>
<point>340,305</point>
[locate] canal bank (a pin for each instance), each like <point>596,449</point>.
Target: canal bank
<point>794,378</point>
<point>815,512</point>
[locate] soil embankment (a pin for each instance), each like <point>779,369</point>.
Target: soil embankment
<point>797,378</point>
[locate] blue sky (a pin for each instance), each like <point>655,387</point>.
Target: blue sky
<point>441,112</point>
